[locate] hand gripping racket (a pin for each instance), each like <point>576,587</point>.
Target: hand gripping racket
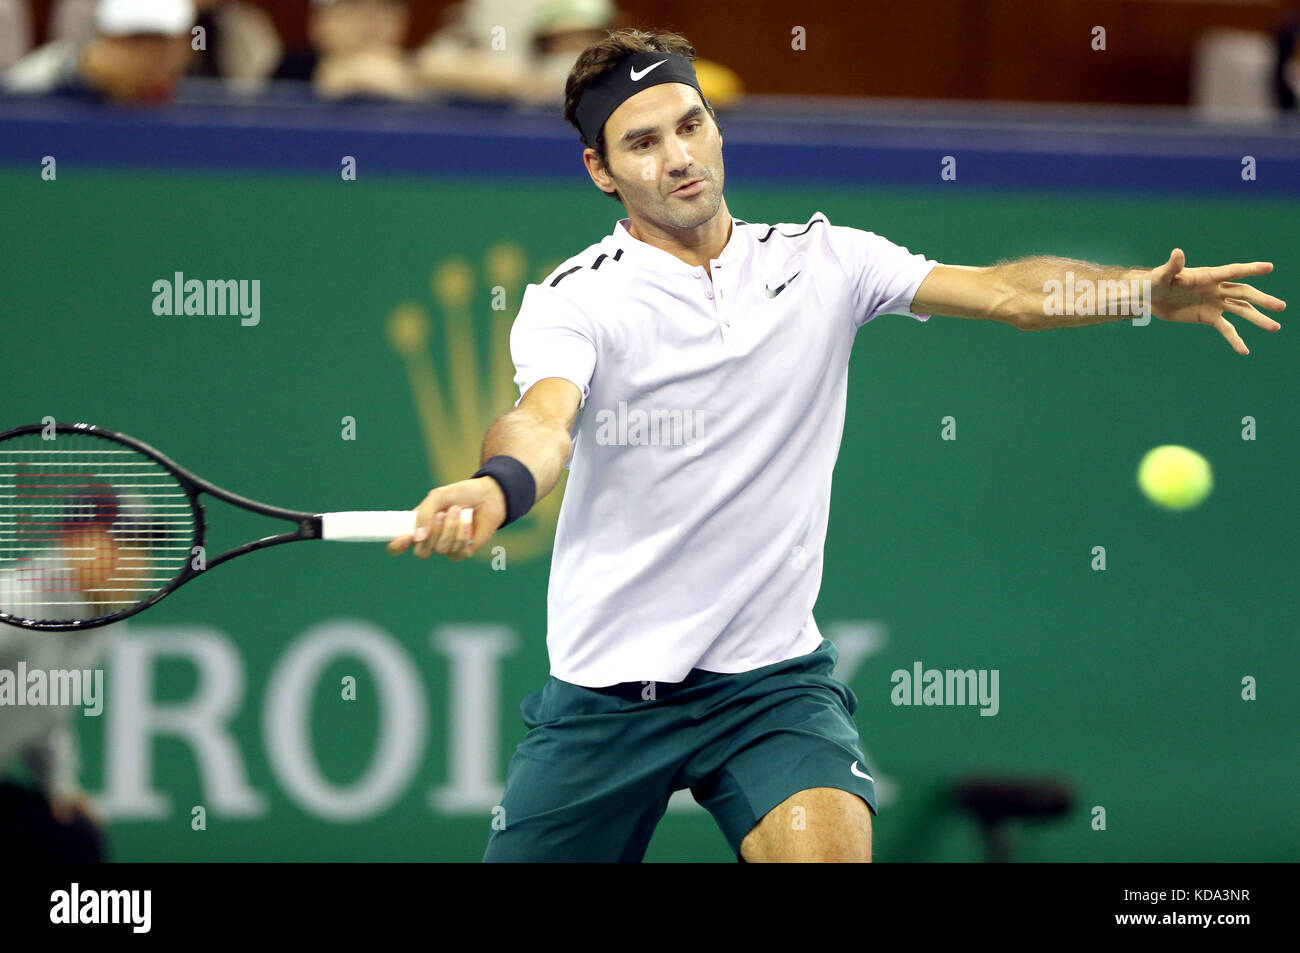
<point>96,526</point>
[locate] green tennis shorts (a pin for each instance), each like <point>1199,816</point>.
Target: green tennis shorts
<point>593,775</point>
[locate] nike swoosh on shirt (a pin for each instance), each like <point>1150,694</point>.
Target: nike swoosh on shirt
<point>862,774</point>
<point>637,76</point>
<point>773,292</point>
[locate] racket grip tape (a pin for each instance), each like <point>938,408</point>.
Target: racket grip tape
<point>370,526</point>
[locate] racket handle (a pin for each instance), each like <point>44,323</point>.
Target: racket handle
<point>371,526</point>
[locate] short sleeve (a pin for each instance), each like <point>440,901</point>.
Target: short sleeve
<point>883,277</point>
<point>551,337</point>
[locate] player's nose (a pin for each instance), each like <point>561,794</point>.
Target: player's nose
<point>676,159</point>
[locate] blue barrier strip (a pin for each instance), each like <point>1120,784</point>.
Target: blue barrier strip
<point>784,148</point>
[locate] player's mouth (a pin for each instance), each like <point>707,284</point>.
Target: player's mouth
<point>691,188</point>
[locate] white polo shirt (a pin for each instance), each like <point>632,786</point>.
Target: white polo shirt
<point>692,526</point>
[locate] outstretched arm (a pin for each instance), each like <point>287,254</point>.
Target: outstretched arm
<point>1043,292</point>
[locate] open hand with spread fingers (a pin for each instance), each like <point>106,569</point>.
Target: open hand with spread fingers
<point>1202,295</point>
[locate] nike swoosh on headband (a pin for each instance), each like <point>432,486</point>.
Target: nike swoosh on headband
<point>637,76</point>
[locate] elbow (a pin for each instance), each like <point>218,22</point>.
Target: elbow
<point>564,443</point>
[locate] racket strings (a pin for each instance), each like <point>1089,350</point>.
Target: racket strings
<point>88,527</point>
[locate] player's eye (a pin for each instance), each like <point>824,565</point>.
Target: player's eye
<point>692,126</point>
<point>643,142</point>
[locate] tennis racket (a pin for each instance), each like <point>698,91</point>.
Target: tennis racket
<point>96,526</point>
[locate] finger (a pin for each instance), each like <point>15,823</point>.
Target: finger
<point>1243,309</point>
<point>455,530</point>
<point>425,514</point>
<point>1253,295</point>
<point>464,532</point>
<point>444,532</point>
<point>1230,333</point>
<point>464,535</point>
<point>1239,270</point>
<point>1173,266</point>
<point>425,548</point>
<point>483,532</point>
<point>399,545</point>
<point>450,530</point>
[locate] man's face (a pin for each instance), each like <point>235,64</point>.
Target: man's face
<point>138,69</point>
<point>657,141</point>
<point>106,570</point>
<point>94,557</point>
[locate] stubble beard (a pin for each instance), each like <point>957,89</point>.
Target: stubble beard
<point>679,213</point>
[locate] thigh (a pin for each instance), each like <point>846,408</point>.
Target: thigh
<point>589,783</point>
<point>796,736</point>
<point>819,825</point>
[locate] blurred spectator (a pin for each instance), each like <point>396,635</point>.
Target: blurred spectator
<point>49,817</point>
<point>240,44</point>
<point>97,558</point>
<point>485,48</point>
<point>357,51</point>
<point>46,815</point>
<point>1286,77</point>
<point>73,20</point>
<point>523,50</point>
<point>570,26</point>
<point>239,41</point>
<point>15,31</point>
<point>137,55</point>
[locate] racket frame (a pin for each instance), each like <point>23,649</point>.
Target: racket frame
<point>309,524</point>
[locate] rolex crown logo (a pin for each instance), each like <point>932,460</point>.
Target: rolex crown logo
<point>463,381</point>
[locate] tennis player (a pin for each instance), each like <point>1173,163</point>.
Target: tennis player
<point>690,369</point>
<point>95,563</point>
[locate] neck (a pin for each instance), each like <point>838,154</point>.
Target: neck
<point>695,246</point>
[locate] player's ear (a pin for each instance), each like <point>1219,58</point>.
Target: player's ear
<point>599,172</point>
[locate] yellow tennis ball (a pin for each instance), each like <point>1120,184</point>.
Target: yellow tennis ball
<point>1175,477</point>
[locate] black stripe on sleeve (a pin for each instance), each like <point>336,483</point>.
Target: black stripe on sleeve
<point>558,278</point>
<point>815,221</point>
<point>561,277</point>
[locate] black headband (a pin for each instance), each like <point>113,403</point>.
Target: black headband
<point>633,74</point>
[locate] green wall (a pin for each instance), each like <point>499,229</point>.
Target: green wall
<point>973,553</point>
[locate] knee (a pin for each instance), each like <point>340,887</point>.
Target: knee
<point>819,825</point>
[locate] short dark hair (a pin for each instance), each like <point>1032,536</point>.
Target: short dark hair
<point>601,57</point>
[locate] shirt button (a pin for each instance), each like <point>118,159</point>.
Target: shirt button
<point>699,272</point>
<point>709,292</point>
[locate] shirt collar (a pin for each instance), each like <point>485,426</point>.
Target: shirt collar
<point>656,259</point>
